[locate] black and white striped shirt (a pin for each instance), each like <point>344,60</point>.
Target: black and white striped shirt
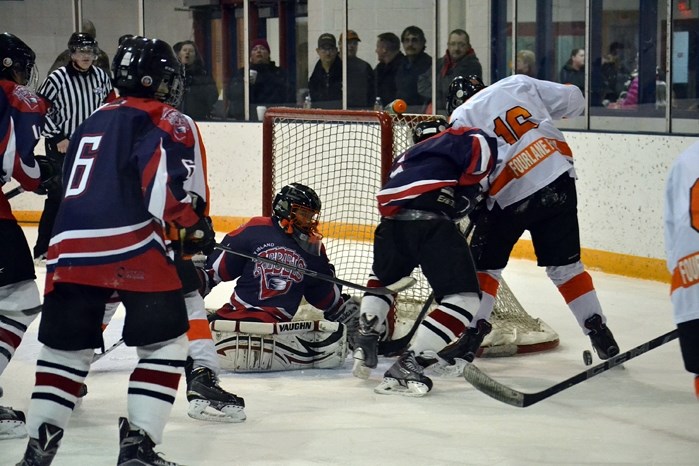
<point>74,95</point>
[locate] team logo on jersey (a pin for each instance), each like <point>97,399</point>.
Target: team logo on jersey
<point>276,280</point>
<point>25,95</point>
<point>177,121</point>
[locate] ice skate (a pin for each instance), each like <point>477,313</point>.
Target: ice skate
<point>601,337</point>
<point>466,346</point>
<point>405,377</point>
<point>40,452</point>
<point>203,392</point>
<point>136,448</point>
<point>366,352</point>
<point>12,423</point>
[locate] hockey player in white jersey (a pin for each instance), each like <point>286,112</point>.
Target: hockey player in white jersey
<point>531,188</point>
<point>682,251</point>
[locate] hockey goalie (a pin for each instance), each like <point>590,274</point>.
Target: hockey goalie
<point>256,330</point>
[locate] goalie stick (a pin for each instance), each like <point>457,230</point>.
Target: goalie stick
<point>510,396</point>
<point>401,285</point>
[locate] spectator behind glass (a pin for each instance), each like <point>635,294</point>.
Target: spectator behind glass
<point>525,63</point>
<point>390,59</point>
<point>573,72</point>
<point>459,60</point>
<point>615,73</point>
<point>361,89</point>
<point>269,83</point>
<point>102,60</point>
<point>416,62</point>
<point>325,83</point>
<point>201,92</point>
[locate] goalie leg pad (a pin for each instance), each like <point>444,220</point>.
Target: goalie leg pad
<point>262,347</point>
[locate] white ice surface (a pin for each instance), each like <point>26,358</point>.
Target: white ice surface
<point>643,414</point>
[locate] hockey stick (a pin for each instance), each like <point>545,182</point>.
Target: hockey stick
<point>99,356</point>
<point>393,347</point>
<point>513,397</point>
<point>401,285</point>
<point>14,192</point>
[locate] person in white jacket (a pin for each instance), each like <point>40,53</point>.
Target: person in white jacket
<point>682,252</point>
<point>531,188</point>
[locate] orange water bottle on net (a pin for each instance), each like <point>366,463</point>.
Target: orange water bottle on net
<point>397,107</point>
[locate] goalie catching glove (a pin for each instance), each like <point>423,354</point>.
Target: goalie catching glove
<point>190,240</point>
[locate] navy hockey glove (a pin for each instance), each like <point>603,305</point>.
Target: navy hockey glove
<point>346,312</point>
<point>199,237</point>
<point>50,175</point>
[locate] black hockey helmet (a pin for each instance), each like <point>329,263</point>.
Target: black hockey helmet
<point>17,61</point>
<point>148,68</point>
<point>461,89</point>
<point>428,128</point>
<point>296,209</point>
<point>82,42</point>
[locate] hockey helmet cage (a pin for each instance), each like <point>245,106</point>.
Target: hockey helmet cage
<point>296,209</point>
<point>82,42</point>
<point>461,89</point>
<point>148,68</point>
<point>428,128</point>
<point>17,61</point>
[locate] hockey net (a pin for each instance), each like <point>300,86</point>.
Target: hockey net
<point>345,156</point>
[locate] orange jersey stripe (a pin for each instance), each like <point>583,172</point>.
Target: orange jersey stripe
<point>488,283</point>
<point>199,330</point>
<point>576,287</point>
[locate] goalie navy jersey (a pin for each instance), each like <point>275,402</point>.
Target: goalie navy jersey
<point>266,292</point>
<point>22,115</point>
<point>123,179</point>
<point>455,157</point>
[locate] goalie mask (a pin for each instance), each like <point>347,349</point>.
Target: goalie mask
<point>461,89</point>
<point>296,209</point>
<point>148,68</point>
<point>427,129</point>
<point>17,61</point>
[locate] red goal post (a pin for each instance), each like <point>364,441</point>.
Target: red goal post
<point>345,156</point>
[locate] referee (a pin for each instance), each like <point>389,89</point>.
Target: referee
<point>75,91</point>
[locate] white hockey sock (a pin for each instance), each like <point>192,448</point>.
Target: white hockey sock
<point>13,326</point>
<point>59,377</point>
<point>445,323</point>
<point>153,385</point>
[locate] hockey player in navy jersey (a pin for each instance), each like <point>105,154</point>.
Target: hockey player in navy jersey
<point>123,178</point>
<point>532,188</point>
<point>21,116</point>
<point>272,294</point>
<point>430,185</point>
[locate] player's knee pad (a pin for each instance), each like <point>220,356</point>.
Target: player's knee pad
<point>20,297</point>
<point>260,347</point>
<point>560,274</point>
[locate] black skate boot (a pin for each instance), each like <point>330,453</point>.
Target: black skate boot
<point>40,452</point>
<point>12,423</point>
<point>203,391</point>
<point>366,352</point>
<point>601,337</point>
<point>405,377</point>
<point>136,448</point>
<point>467,344</point>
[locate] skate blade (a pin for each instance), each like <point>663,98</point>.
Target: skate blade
<point>391,386</point>
<point>12,429</point>
<point>201,410</point>
<point>359,370</point>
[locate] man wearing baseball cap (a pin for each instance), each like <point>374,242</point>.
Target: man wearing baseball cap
<point>325,83</point>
